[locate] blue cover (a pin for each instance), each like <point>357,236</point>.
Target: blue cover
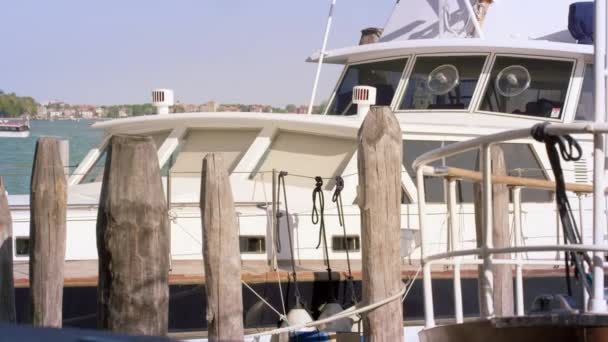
<point>581,21</point>
<point>309,336</point>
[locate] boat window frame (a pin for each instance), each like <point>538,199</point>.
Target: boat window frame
<point>405,71</point>
<point>411,192</point>
<point>566,112</point>
<point>474,98</point>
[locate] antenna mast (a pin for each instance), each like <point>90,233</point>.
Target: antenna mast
<point>321,56</point>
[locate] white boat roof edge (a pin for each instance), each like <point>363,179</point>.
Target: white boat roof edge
<point>452,45</point>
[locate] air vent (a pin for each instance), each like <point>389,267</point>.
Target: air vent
<point>364,97</point>
<point>581,174</point>
<point>162,99</point>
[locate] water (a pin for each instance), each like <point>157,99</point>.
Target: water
<point>16,155</point>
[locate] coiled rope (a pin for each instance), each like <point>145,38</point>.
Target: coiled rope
<point>318,217</point>
<point>337,199</point>
<point>281,184</point>
<point>570,150</point>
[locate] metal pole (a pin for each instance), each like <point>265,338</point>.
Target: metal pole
<point>429,314</point>
<point>519,282</point>
<point>585,306</point>
<point>558,235</point>
<point>441,21</point>
<point>274,222</point>
<point>321,57</point>
<point>597,303</point>
<point>453,238</point>
<point>169,208</point>
<point>487,281</point>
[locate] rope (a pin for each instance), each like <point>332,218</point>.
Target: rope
<point>281,181</point>
<point>570,150</point>
<point>337,198</point>
<point>344,314</point>
<point>318,217</point>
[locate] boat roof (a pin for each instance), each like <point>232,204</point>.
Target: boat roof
<point>398,48</point>
<point>337,125</point>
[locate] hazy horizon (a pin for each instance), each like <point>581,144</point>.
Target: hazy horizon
<point>116,52</point>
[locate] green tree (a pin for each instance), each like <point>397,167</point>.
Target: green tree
<point>290,108</point>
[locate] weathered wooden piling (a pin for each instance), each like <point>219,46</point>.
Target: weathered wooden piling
<point>133,240</point>
<point>7,285</point>
<point>379,199</point>
<point>48,201</point>
<point>503,276</point>
<point>221,253</point>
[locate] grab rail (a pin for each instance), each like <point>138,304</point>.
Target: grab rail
<point>487,250</point>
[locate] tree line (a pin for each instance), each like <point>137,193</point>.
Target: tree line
<point>13,106</point>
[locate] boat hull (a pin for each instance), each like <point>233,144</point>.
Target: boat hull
<point>554,328</point>
<point>20,134</point>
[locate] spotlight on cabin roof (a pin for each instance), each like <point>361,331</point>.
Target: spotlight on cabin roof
<point>162,99</point>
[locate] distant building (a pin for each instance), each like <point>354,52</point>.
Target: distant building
<point>229,108</point>
<point>302,110</point>
<point>87,114</point>
<point>55,114</point>
<point>123,113</point>
<point>256,108</point>
<point>210,106</point>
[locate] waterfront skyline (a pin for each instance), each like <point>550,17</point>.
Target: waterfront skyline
<point>115,52</point>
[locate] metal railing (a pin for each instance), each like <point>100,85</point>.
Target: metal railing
<point>486,249</point>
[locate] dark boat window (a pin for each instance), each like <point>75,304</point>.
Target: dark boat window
<point>383,75</point>
<point>22,246</point>
<point>528,86</point>
<point>252,244</point>
<point>342,243</point>
<point>585,109</point>
<point>442,83</point>
<point>519,158</point>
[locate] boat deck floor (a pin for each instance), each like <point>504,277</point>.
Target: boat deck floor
<point>84,272</point>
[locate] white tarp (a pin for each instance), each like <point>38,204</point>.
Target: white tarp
<point>506,19</point>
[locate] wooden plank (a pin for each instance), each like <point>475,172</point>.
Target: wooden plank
<point>379,199</point>
<point>7,285</point>
<point>48,198</point>
<point>133,240</point>
<point>529,183</point>
<point>503,276</point>
<point>221,253</point>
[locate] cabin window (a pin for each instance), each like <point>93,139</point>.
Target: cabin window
<point>343,243</point>
<point>528,86</point>
<point>519,158</point>
<point>585,110</point>
<point>252,244</point>
<point>383,75</point>
<point>22,246</point>
<point>446,83</point>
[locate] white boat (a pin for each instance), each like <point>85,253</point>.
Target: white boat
<point>448,76</point>
<point>14,128</point>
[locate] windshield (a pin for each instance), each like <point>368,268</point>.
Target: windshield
<point>527,86</point>
<point>383,75</point>
<point>442,82</point>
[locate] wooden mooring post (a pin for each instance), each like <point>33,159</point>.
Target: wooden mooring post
<point>379,199</point>
<point>133,240</point>
<point>221,253</point>
<point>503,276</point>
<point>7,285</point>
<point>48,205</point>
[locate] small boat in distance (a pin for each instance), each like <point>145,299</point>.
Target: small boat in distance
<point>14,127</point>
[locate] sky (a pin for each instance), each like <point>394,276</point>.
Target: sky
<point>232,51</point>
